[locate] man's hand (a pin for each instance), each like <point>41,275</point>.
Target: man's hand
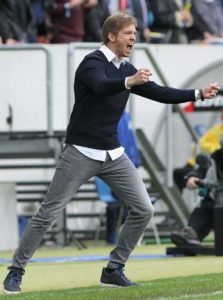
<point>185,16</point>
<point>140,77</point>
<point>11,42</point>
<point>90,3</point>
<point>75,3</point>
<point>192,183</point>
<point>211,90</point>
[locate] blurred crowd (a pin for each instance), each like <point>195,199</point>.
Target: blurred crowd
<point>66,21</point>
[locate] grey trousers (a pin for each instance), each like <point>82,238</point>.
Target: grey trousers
<point>74,169</point>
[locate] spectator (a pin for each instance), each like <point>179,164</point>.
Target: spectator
<point>94,20</point>
<point>40,17</point>
<point>201,220</point>
<point>208,21</point>
<point>171,17</point>
<point>67,17</point>
<point>18,21</point>
<point>140,10</point>
<point>27,21</point>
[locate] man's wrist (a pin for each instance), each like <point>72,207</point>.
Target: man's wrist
<point>126,84</point>
<point>199,95</point>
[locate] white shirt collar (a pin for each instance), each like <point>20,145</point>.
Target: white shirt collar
<point>111,57</point>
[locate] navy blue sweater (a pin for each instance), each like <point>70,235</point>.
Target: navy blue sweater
<point>101,97</point>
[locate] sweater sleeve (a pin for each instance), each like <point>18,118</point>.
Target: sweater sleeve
<point>92,73</point>
<point>163,94</point>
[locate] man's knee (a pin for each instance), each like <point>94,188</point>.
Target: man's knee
<point>146,212</point>
<point>149,211</point>
<point>43,219</point>
<point>40,223</point>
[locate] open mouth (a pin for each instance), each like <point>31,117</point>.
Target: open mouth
<point>130,47</point>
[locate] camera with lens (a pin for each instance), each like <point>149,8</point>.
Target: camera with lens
<point>205,183</point>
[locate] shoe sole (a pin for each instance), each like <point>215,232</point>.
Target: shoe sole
<point>109,285</point>
<point>179,241</point>
<point>11,293</point>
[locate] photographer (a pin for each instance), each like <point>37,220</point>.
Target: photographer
<point>208,143</point>
<point>201,220</point>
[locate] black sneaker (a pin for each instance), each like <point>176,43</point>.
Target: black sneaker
<point>185,237</point>
<point>115,278</point>
<point>13,280</point>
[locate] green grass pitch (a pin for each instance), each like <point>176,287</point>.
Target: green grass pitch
<point>197,277</point>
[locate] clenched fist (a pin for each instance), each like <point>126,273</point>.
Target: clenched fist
<point>210,90</point>
<point>140,77</point>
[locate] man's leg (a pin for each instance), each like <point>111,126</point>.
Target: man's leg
<point>125,181</point>
<point>202,219</point>
<point>73,169</point>
<point>112,213</point>
<point>200,224</point>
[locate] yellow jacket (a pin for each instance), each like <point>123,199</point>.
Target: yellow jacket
<point>209,142</point>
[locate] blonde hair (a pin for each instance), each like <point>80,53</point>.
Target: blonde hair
<point>115,23</point>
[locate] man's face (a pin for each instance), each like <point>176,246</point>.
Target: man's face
<point>122,43</point>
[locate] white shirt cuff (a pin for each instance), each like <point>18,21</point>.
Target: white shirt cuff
<point>197,93</point>
<point>126,86</point>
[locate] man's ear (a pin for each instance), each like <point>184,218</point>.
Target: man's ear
<point>111,37</point>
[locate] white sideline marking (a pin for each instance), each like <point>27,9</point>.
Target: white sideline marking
<point>75,292</point>
<point>200,295</point>
<point>196,296</point>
